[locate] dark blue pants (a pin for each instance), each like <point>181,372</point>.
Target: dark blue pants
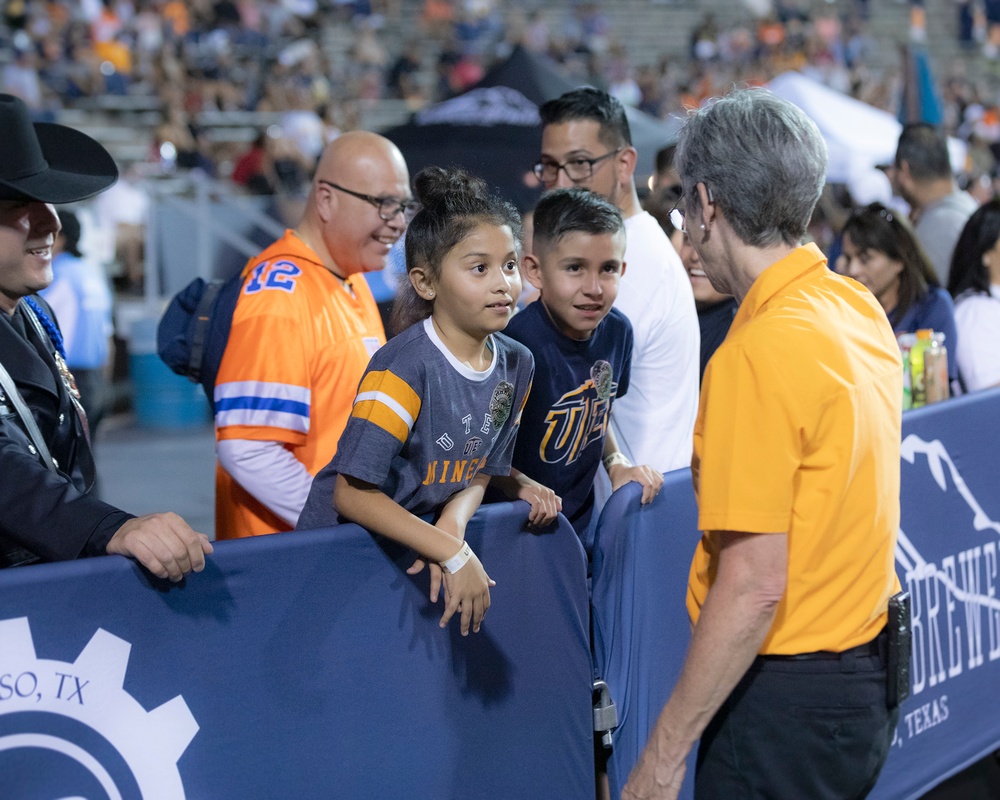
<point>796,728</point>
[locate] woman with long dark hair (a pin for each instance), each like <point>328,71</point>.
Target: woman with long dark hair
<point>881,251</point>
<point>974,282</point>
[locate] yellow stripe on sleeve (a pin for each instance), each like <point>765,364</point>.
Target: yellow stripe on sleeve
<point>380,414</point>
<point>388,401</point>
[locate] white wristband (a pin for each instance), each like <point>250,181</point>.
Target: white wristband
<point>617,457</point>
<point>457,561</point>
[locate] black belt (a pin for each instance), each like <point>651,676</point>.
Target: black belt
<point>875,648</point>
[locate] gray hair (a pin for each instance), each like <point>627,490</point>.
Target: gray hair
<point>763,160</point>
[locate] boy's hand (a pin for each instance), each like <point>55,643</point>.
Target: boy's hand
<point>650,479</point>
<point>544,502</point>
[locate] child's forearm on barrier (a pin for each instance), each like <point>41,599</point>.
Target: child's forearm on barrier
<point>371,508</point>
<point>456,513</point>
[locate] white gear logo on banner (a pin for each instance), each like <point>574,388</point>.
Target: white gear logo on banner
<point>90,691</point>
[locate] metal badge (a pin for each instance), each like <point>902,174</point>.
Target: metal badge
<point>67,377</point>
<point>501,403</point>
<point>600,374</point>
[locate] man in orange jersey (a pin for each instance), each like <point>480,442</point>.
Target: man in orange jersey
<point>303,331</point>
<point>796,468</point>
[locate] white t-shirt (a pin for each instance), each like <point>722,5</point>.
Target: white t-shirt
<point>977,319</point>
<point>654,421</point>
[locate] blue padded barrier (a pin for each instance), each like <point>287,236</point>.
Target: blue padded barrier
<point>300,665</point>
<point>641,627</point>
<point>947,557</point>
<point>310,665</point>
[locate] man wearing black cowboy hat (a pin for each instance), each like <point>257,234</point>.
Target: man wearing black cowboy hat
<point>46,467</point>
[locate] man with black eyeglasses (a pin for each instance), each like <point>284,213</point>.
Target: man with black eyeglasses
<point>586,143</point>
<point>304,329</point>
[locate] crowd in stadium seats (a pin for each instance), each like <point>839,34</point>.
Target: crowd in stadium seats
<point>182,59</point>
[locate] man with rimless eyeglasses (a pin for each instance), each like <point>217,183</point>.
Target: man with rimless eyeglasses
<point>304,329</point>
<point>586,143</point>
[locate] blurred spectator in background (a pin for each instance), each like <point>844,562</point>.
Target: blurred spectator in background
<point>20,78</point>
<point>403,80</point>
<point>303,127</point>
<point>715,309</point>
<point>704,36</point>
<point>275,166</point>
<point>369,61</point>
<point>921,174</point>
<point>122,212</point>
<point>658,205</point>
<point>536,36</point>
<point>288,172</point>
<point>179,144</point>
<point>81,299</point>
<point>864,186</point>
<point>974,282</point>
<point>437,17</point>
<point>665,174</point>
<point>249,170</point>
<point>881,251</point>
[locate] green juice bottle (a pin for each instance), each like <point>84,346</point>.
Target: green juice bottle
<point>917,384</point>
<point>907,385</point>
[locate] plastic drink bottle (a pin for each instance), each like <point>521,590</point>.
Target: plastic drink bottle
<point>906,341</point>
<point>907,385</point>
<point>936,370</point>
<point>918,386</point>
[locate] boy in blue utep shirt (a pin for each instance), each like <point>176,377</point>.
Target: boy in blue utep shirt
<point>583,352</point>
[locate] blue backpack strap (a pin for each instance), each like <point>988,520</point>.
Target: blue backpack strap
<point>200,325</point>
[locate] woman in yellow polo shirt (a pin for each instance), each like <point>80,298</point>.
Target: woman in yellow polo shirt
<point>796,466</point>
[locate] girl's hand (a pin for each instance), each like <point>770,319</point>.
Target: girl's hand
<point>544,502</point>
<point>436,573</point>
<point>468,592</point>
<point>650,479</point>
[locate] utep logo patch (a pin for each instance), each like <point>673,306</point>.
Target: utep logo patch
<point>87,737</point>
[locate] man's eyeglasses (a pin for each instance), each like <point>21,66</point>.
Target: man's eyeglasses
<point>576,169</point>
<point>388,207</point>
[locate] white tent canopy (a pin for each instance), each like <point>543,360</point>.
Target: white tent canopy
<point>858,136</point>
